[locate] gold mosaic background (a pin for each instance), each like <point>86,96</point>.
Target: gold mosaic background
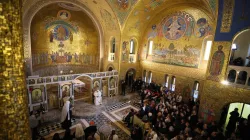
<point>226,49</point>
<point>84,41</point>
<point>194,42</point>
<point>13,98</point>
<point>216,95</point>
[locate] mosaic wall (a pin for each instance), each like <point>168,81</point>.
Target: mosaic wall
<point>13,97</point>
<point>122,8</point>
<point>178,38</point>
<point>65,36</point>
<point>216,95</point>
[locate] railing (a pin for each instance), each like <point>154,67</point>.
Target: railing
<point>235,74</point>
<point>36,80</point>
<point>111,56</point>
<point>131,58</point>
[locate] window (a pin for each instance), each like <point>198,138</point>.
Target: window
<point>166,80</point>
<point>149,77</point>
<point>172,88</point>
<point>196,90</point>
<point>208,49</point>
<point>112,50</point>
<point>132,51</point>
<point>132,47</point>
<point>150,47</point>
<point>231,76</point>
<point>113,45</point>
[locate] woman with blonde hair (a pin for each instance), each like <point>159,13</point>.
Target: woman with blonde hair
<point>79,134</point>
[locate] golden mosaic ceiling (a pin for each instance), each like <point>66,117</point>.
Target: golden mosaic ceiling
<point>121,11</point>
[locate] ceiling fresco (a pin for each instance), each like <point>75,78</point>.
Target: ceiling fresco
<point>122,8</point>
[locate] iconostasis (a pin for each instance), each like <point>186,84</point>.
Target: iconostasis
<point>63,35</point>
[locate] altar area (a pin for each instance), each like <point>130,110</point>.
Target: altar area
<point>50,91</point>
<point>102,115</point>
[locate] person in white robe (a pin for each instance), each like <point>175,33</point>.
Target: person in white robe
<point>98,97</point>
<point>66,115</point>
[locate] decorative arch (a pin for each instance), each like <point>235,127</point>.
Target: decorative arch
<point>129,69</point>
<point>129,76</point>
<point>110,66</point>
<point>27,19</point>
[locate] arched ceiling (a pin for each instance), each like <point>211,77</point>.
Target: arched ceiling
<point>122,12</point>
<point>99,9</point>
<point>147,10</point>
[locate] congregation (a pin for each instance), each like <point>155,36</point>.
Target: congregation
<point>167,117</point>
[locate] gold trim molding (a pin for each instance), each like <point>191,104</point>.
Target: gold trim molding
<point>228,9</point>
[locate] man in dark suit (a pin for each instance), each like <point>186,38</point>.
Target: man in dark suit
<point>123,87</point>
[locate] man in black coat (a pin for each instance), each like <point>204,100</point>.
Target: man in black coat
<point>231,126</point>
<point>91,130</point>
<point>123,87</point>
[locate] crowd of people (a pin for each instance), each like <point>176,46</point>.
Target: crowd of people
<point>167,116</point>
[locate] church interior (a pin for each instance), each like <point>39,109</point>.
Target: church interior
<point>125,69</point>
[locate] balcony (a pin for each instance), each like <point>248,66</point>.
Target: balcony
<point>112,57</point>
<point>239,76</point>
<point>131,58</point>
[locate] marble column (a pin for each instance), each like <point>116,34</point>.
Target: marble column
<point>13,95</point>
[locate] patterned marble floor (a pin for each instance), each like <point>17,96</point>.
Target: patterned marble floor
<point>104,116</point>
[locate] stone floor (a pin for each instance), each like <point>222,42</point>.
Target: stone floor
<point>104,116</point>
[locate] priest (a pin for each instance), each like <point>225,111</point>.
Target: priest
<point>98,97</point>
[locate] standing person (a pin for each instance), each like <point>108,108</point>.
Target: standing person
<point>123,87</point>
<point>33,125</point>
<point>113,136</point>
<point>66,116</point>
<point>231,126</point>
<point>97,97</point>
<point>223,116</point>
<point>67,135</point>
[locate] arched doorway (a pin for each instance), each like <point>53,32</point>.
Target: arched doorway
<point>130,75</point>
<point>110,69</point>
<point>83,91</point>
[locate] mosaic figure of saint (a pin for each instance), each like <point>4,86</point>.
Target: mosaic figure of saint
<point>174,27</point>
<point>36,96</point>
<point>63,15</point>
<point>190,27</point>
<point>217,62</point>
<point>61,33</point>
<point>124,51</point>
